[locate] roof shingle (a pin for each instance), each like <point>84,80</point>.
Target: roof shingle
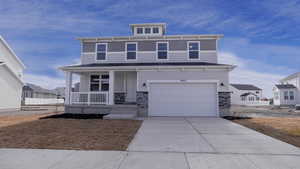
<point>245,87</point>
<point>285,86</point>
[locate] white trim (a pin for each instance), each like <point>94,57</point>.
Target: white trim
<point>188,50</point>
<point>136,51</point>
<point>170,51</point>
<point>143,38</point>
<point>156,50</point>
<point>96,51</point>
<point>87,69</point>
<point>12,52</point>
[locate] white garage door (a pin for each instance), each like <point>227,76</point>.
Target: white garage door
<point>183,99</point>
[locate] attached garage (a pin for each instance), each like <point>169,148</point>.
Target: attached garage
<point>183,98</point>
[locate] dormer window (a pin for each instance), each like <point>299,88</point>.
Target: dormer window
<point>147,30</point>
<point>139,30</point>
<point>155,30</point>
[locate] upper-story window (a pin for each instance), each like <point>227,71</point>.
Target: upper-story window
<point>155,30</point>
<point>147,30</point>
<point>292,97</point>
<point>286,95</point>
<point>101,50</point>
<point>194,50</point>
<point>162,50</point>
<point>139,30</point>
<point>131,48</point>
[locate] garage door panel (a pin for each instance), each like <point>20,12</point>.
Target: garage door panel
<point>182,99</point>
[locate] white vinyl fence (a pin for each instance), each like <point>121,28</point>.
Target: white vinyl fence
<point>255,103</point>
<point>42,101</point>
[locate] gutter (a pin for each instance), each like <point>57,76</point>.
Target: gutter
<point>230,67</point>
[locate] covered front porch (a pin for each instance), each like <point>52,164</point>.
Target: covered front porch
<point>107,87</point>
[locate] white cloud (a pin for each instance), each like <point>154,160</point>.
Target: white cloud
<point>243,73</point>
<point>47,81</point>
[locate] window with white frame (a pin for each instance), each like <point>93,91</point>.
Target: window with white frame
<point>194,50</point>
<point>155,30</point>
<point>131,49</point>
<point>139,30</point>
<point>162,50</point>
<point>286,95</point>
<point>99,82</point>
<point>147,30</point>
<point>101,49</point>
<point>291,93</point>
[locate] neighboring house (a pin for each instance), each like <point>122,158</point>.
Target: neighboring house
<point>60,91</point>
<point>164,75</point>
<point>288,92</point>
<point>34,91</point>
<point>11,74</point>
<point>245,93</point>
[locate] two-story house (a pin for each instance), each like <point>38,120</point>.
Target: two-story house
<point>11,75</point>
<point>288,91</point>
<point>162,75</point>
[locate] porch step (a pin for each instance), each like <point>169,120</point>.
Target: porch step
<point>120,116</point>
<point>124,109</point>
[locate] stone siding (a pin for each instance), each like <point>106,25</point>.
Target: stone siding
<point>142,103</point>
<point>224,103</point>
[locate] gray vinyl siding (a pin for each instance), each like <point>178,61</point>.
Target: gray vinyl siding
<point>116,46</point>
<point>116,51</point>
<point>151,57</point>
<point>145,76</point>
<point>88,47</point>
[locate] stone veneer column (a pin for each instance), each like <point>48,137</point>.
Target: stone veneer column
<point>142,103</point>
<point>224,103</point>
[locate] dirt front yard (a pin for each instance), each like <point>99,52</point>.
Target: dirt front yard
<point>63,133</point>
<point>282,128</point>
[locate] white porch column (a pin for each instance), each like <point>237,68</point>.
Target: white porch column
<point>111,87</point>
<point>68,88</point>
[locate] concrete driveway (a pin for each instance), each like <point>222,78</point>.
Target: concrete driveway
<point>171,143</point>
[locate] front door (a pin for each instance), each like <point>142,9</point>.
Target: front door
<point>130,79</point>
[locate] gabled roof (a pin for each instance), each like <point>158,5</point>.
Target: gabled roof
<point>12,52</point>
<point>248,93</point>
<point>245,87</point>
<point>37,89</point>
<point>285,86</point>
<point>291,76</point>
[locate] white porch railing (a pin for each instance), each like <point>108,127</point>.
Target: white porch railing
<point>89,98</point>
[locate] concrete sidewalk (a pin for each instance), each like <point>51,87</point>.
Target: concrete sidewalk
<point>171,143</point>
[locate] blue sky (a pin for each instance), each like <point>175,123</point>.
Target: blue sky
<point>261,37</point>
